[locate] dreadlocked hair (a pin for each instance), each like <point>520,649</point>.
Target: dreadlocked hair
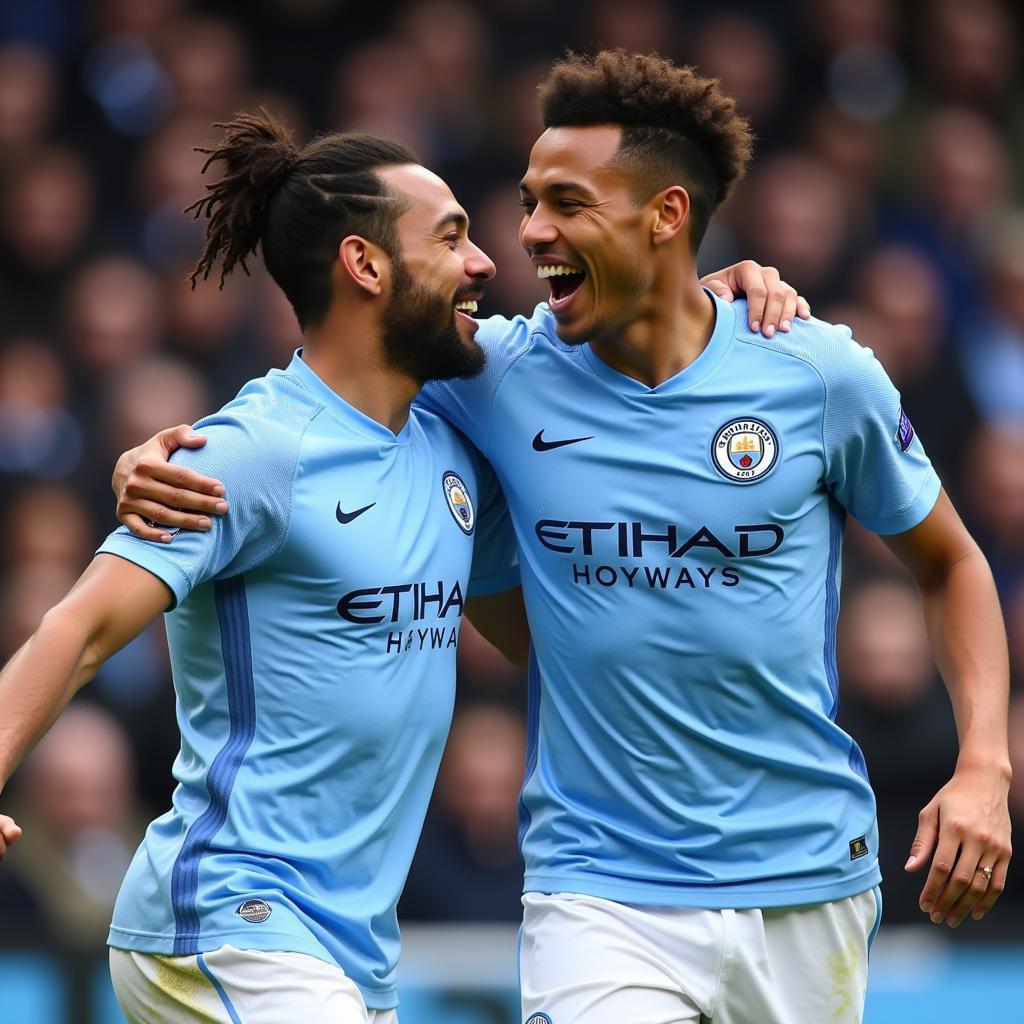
<point>296,205</point>
<point>677,127</point>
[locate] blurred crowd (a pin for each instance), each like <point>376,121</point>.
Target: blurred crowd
<point>887,187</point>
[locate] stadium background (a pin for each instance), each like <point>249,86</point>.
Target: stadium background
<point>887,187</point>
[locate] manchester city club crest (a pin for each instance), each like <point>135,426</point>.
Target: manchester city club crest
<point>459,503</point>
<point>745,450</point>
<point>539,1018</point>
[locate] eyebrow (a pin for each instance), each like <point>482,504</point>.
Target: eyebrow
<point>457,220</point>
<point>560,187</point>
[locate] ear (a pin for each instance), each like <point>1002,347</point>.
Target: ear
<point>363,263</point>
<point>671,209</point>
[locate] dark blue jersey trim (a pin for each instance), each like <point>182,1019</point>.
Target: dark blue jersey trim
<point>532,719</point>
<point>233,617</point>
<point>836,523</point>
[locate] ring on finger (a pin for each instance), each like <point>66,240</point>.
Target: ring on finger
<point>987,872</point>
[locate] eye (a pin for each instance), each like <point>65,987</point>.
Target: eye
<point>452,240</point>
<point>569,204</point>
<point>529,205</point>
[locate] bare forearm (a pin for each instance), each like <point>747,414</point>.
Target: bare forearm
<point>112,602</point>
<point>969,644</point>
<point>38,682</point>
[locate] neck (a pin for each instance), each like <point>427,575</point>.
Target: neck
<point>346,353</point>
<point>672,328</point>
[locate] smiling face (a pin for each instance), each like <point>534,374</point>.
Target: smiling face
<point>585,232</point>
<point>436,281</point>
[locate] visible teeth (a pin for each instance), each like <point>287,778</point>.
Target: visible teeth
<point>557,271</point>
<point>466,307</point>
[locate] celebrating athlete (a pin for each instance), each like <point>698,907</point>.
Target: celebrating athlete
<point>699,833</point>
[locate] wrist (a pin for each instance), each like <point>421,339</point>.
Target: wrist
<point>996,764</point>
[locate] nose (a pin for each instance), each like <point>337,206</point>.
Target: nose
<point>536,230</point>
<point>478,264</point>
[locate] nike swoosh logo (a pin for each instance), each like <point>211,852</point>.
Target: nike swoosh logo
<point>540,445</point>
<point>347,517</point>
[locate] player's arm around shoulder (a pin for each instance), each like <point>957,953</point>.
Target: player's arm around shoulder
<point>174,482</point>
<point>965,829</point>
<point>154,496</point>
<point>112,602</point>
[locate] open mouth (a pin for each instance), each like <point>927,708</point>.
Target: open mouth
<point>467,307</point>
<point>563,280</point>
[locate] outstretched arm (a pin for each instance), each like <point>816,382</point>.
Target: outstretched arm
<point>112,602</point>
<point>964,831</point>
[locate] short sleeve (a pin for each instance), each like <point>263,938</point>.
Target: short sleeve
<point>495,551</point>
<point>255,460</point>
<point>877,468</point>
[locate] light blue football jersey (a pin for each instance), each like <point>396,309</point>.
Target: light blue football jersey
<point>680,554</point>
<point>313,648</point>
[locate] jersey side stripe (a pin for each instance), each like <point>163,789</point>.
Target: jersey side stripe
<point>233,618</point>
<point>836,522</point>
<point>532,715</point>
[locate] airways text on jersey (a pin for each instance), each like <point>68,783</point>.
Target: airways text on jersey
<point>635,541</point>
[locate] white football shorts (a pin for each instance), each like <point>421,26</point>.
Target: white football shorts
<point>585,960</point>
<point>237,986</point>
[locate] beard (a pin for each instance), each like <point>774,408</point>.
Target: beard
<point>421,338</point>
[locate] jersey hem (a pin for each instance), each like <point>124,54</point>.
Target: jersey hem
<point>920,507</point>
<point>483,586</point>
<point>708,897</point>
<point>269,942</point>
<point>167,572</point>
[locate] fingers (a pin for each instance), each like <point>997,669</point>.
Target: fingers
<point>177,493</point>
<point>766,296</point>
<point>996,884</point>
<point>963,882</point>
<point>720,288</point>
<point>191,484</point>
<point>935,886</point>
<point>142,529</point>
<point>10,833</point>
<point>954,890</point>
<point>181,436</point>
<point>775,303</point>
<point>168,496</point>
<point>771,303</point>
<point>162,516</point>
<point>981,891</point>
<point>924,842</point>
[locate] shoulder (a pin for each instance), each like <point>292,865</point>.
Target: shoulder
<point>501,336</point>
<point>468,401</point>
<point>261,428</point>
<point>827,349</point>
<point>438,436</point>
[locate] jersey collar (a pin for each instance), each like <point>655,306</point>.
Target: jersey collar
<point>688,377</point>
<point>340,409</point>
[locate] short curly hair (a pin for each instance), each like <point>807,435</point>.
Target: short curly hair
<point>678,128</point>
